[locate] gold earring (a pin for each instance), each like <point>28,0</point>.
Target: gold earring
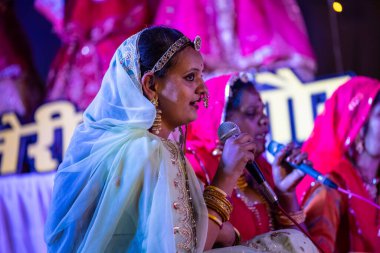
<point>156,127</point>
<point>359,146</point>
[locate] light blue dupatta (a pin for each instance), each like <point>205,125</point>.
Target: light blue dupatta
<point>111,192</point>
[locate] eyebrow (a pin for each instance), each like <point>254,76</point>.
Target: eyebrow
<point>255,107</point>
<point>194,69</point>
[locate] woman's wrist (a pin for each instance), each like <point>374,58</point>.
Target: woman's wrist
<point>225,181</point>
<point>286,195</point>
<point>228,236</point>
<point>288,200</point>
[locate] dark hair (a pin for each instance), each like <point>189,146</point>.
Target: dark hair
<point>153,43</point>
<point>375,101</point>
<point>236,91</point>
<point>377,98</point>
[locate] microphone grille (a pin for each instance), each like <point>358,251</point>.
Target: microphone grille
<point>226,130</point>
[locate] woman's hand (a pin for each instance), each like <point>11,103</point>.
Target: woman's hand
<point>226,236</point>
<point>237,151</point>
<point>286,178</point>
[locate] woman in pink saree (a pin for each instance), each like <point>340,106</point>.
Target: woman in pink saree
<point>240,35</point>
<point>253,214</point>
<point>90,32</point>
<point>345,145</point>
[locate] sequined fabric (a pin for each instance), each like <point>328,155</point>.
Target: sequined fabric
<point>183,215</point>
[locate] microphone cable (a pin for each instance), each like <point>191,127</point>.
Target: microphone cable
<point>228,129</point>
<point>304,231</point>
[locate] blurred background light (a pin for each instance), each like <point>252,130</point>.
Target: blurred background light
<point>337,7</point>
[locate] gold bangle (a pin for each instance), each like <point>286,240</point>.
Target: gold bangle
<point>216,220</point>
<point>211,187</point>
<point>222,202</point>
<point>237,237</point>
<point>221,206</point>
<point>217,200</point>
<point>220,211</point>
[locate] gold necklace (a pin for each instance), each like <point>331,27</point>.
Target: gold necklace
<point>242,184</point>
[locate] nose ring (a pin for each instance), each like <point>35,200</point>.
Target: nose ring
<point>205,100</point>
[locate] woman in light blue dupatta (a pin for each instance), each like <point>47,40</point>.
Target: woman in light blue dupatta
<point>123,186</point>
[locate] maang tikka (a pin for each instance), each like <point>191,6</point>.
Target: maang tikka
<point>156,127</point>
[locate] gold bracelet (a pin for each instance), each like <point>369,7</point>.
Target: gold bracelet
<point>237,237</point>
<point>222,206</point>
<point>216,220</point>
<point>223,212</point>
<point>211,187</point>
<point>222,202</point>
<point>216,200</point>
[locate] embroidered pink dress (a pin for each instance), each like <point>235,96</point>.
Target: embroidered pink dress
<point>240,35</point>
<point>90,31</point>
<point>335,221</point>
<point>202,141</point>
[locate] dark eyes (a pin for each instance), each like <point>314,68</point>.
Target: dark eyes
<point>190,77</point>
<point>254,114</point>
<point>250,114</point>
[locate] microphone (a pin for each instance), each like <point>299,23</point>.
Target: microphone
<point>275,147</point>
<point>228,129</point>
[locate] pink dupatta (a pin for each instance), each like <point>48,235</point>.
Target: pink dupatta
<point>334,132</point>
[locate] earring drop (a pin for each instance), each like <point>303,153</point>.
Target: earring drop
<point>359,146</point>
<point>156,127</point>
